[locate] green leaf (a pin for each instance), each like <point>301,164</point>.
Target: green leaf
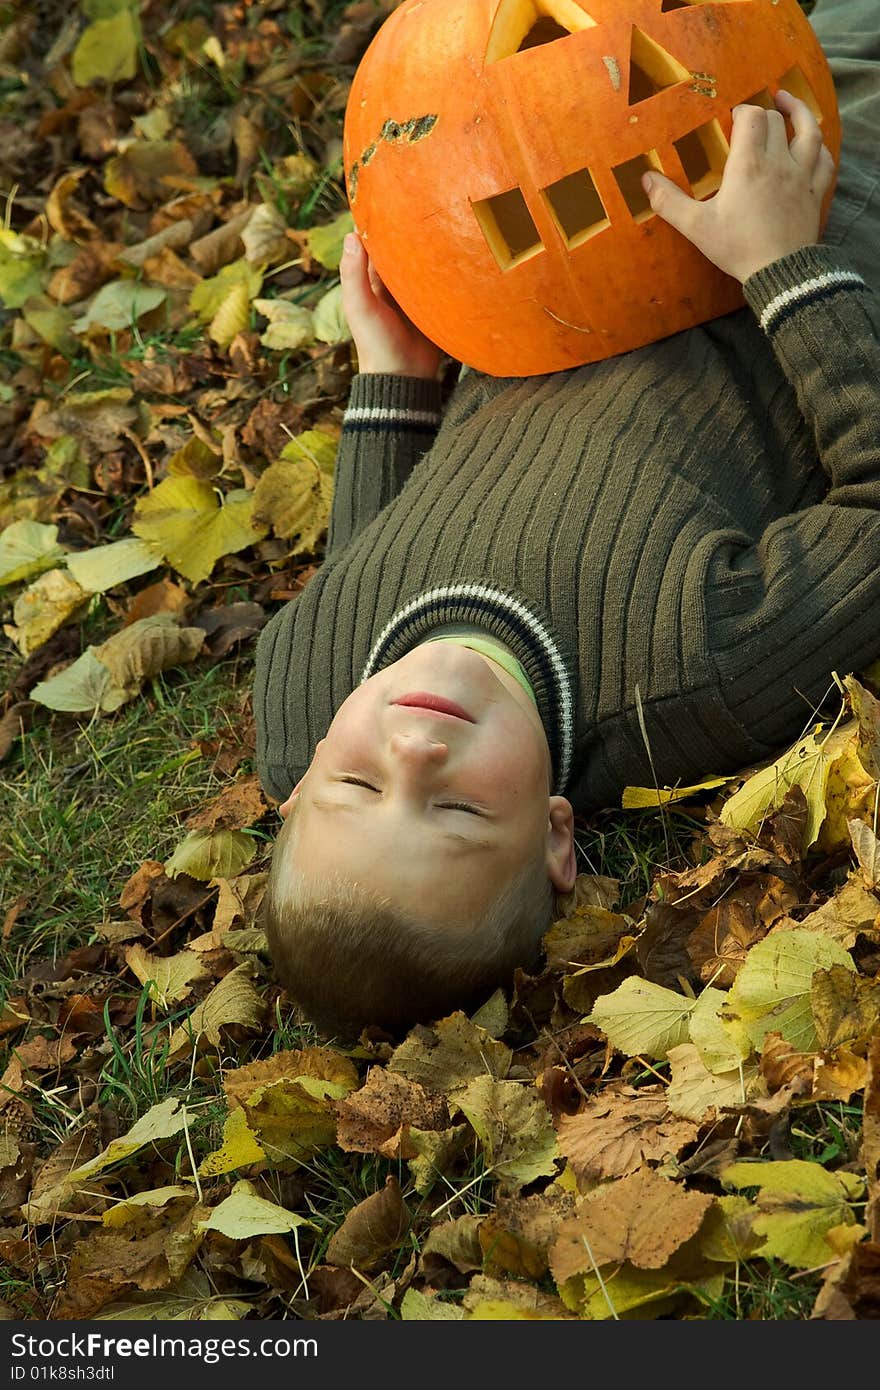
<point>119,305</point>
<point>27,548</point>
<point>81,688</point>
<point>798,1203</point>
<point>514,1126</point>
<point>212,854</point>
<point>244,1215</point>
<point>105,566</point>
<point>325,243</point>
<point>329,320</point>
<point>209,296</point>
<point>806,765</point>
<point>771,993</point>
<point>642,1019</point>
<point>107,50</point>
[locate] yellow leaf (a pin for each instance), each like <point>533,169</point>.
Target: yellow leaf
<point>642,1019</point>
<point>294,498</point>
<point>233,1000</point>
<point>170,978</point>
<point>867,847</point>
<point>636,798</point>
<point>184,520</point>
<point>722,1043</point>
<point>244,1215</point>
<point>162,1121</point>
<point>771,993</point>
<point>209,296</point>
<point>123,1212</point>
<point>107,50</point>
<point>694,1091</point>
<point>325,243</point>
<point>798,1203</point>
<point>806,765</point>
<point>514,1126</point>
<point>232,317</point>
<point>43,608</point>
<point>239,1148</point>
<point>290,325</point>
<point>421,1307</point>
<point>105,566</point>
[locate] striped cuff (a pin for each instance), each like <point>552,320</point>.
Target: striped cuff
<point>391,403</point>
<point>796,282</point>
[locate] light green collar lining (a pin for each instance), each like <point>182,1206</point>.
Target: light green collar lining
<point>493,649</point>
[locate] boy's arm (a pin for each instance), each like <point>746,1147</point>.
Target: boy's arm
<point>784,611</point>
<point>393,411</point>
<point>803,601</point>
<point>389,423</point>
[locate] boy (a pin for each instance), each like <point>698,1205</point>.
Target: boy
<point>689,532</point>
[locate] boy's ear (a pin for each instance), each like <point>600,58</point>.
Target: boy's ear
<point>285,808</point>
<point>561,861</point>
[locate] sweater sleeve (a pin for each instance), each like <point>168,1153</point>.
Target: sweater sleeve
<point>788,608</point>
<point>389,423</point>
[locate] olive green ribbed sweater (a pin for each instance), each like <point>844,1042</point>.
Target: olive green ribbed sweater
<point>697,521</point>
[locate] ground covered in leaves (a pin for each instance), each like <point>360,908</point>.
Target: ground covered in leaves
<point>678,1117</point>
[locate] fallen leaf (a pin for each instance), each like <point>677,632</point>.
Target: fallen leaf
<point>371,1230</point>
<point>244,1214</point>
<point>445,1058</point>
<point>27,548</point>
<point>206,855</point>
<point>620,1130</point>
<point>186,523</point>
<point>642,1219</point>
<point>233,1001</point>
<point>514,1127</point>
<point>171,978</point>
<point>240,1148</point>
<point>797,1204</point>
<point>377,1118</point>
<point>43,607</point>
<point>772,991</point>
<point>642,1019</point>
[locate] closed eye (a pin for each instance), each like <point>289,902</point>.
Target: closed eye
<point>443,806</point>
<point>359,782</point>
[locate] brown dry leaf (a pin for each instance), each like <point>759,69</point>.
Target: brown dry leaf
<point>240,805</point>
<point>378,1117</point>
<point>91,268</point>
<point>322,1064</point>
<point>139,887</point>
<point>445,1057</point>
<point>837,1075</point>
<point>851,1287</point>
<point>152,1254</point>
<point>371,1230</point>
<point>846,1007</point>
<point>590,890</point>
<point>64,214</point>
<point>517,1237</point>
<point>43,607</point>
<point>175,237</point>
<point>233,1001</point>
<point>50,1188</point>
<point>507,1299</point>
<point>145,648</point>
<point>589,937</point>
<point>46,1054</point>
<point>719,945</point>
<point>622,1129</point>
<point>148,172</point>
<point>238,902</point>
<point>97,419</point>
<point>643,1218</point>
<point>457,1242</point>
<point>162,597</point>
<point>782,1066</point>
<point>866,708</point>
<point>222,245</point>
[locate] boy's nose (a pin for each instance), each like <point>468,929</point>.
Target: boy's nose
<point>417,749</point>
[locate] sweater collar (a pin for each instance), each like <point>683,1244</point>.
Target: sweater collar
<point>513,622</point>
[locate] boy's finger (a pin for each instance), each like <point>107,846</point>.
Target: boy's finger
<point>669,202</point>
<point>823,175</point>
<point>777,135</point>
<point>749,134</point>
<point>806,141</point>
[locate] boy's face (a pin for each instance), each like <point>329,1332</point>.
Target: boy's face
<point>436,811</point>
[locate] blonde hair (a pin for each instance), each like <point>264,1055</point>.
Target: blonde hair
<point>349,959</point>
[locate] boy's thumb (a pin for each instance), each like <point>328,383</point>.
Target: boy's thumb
<point>668,201</point>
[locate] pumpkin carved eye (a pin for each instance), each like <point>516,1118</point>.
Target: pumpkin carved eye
<point>494,155</point>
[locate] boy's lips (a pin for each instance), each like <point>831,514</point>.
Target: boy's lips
<point>437,704</point>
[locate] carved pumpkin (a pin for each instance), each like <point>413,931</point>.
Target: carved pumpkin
<point>493,152</point>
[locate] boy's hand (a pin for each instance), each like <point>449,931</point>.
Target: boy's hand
<point>771,193</point>
<point>385,339</point>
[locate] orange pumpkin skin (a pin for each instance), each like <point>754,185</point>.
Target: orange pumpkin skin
<point>447,112</point>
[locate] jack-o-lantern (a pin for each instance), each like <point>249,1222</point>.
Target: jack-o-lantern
<point>493,152</point>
